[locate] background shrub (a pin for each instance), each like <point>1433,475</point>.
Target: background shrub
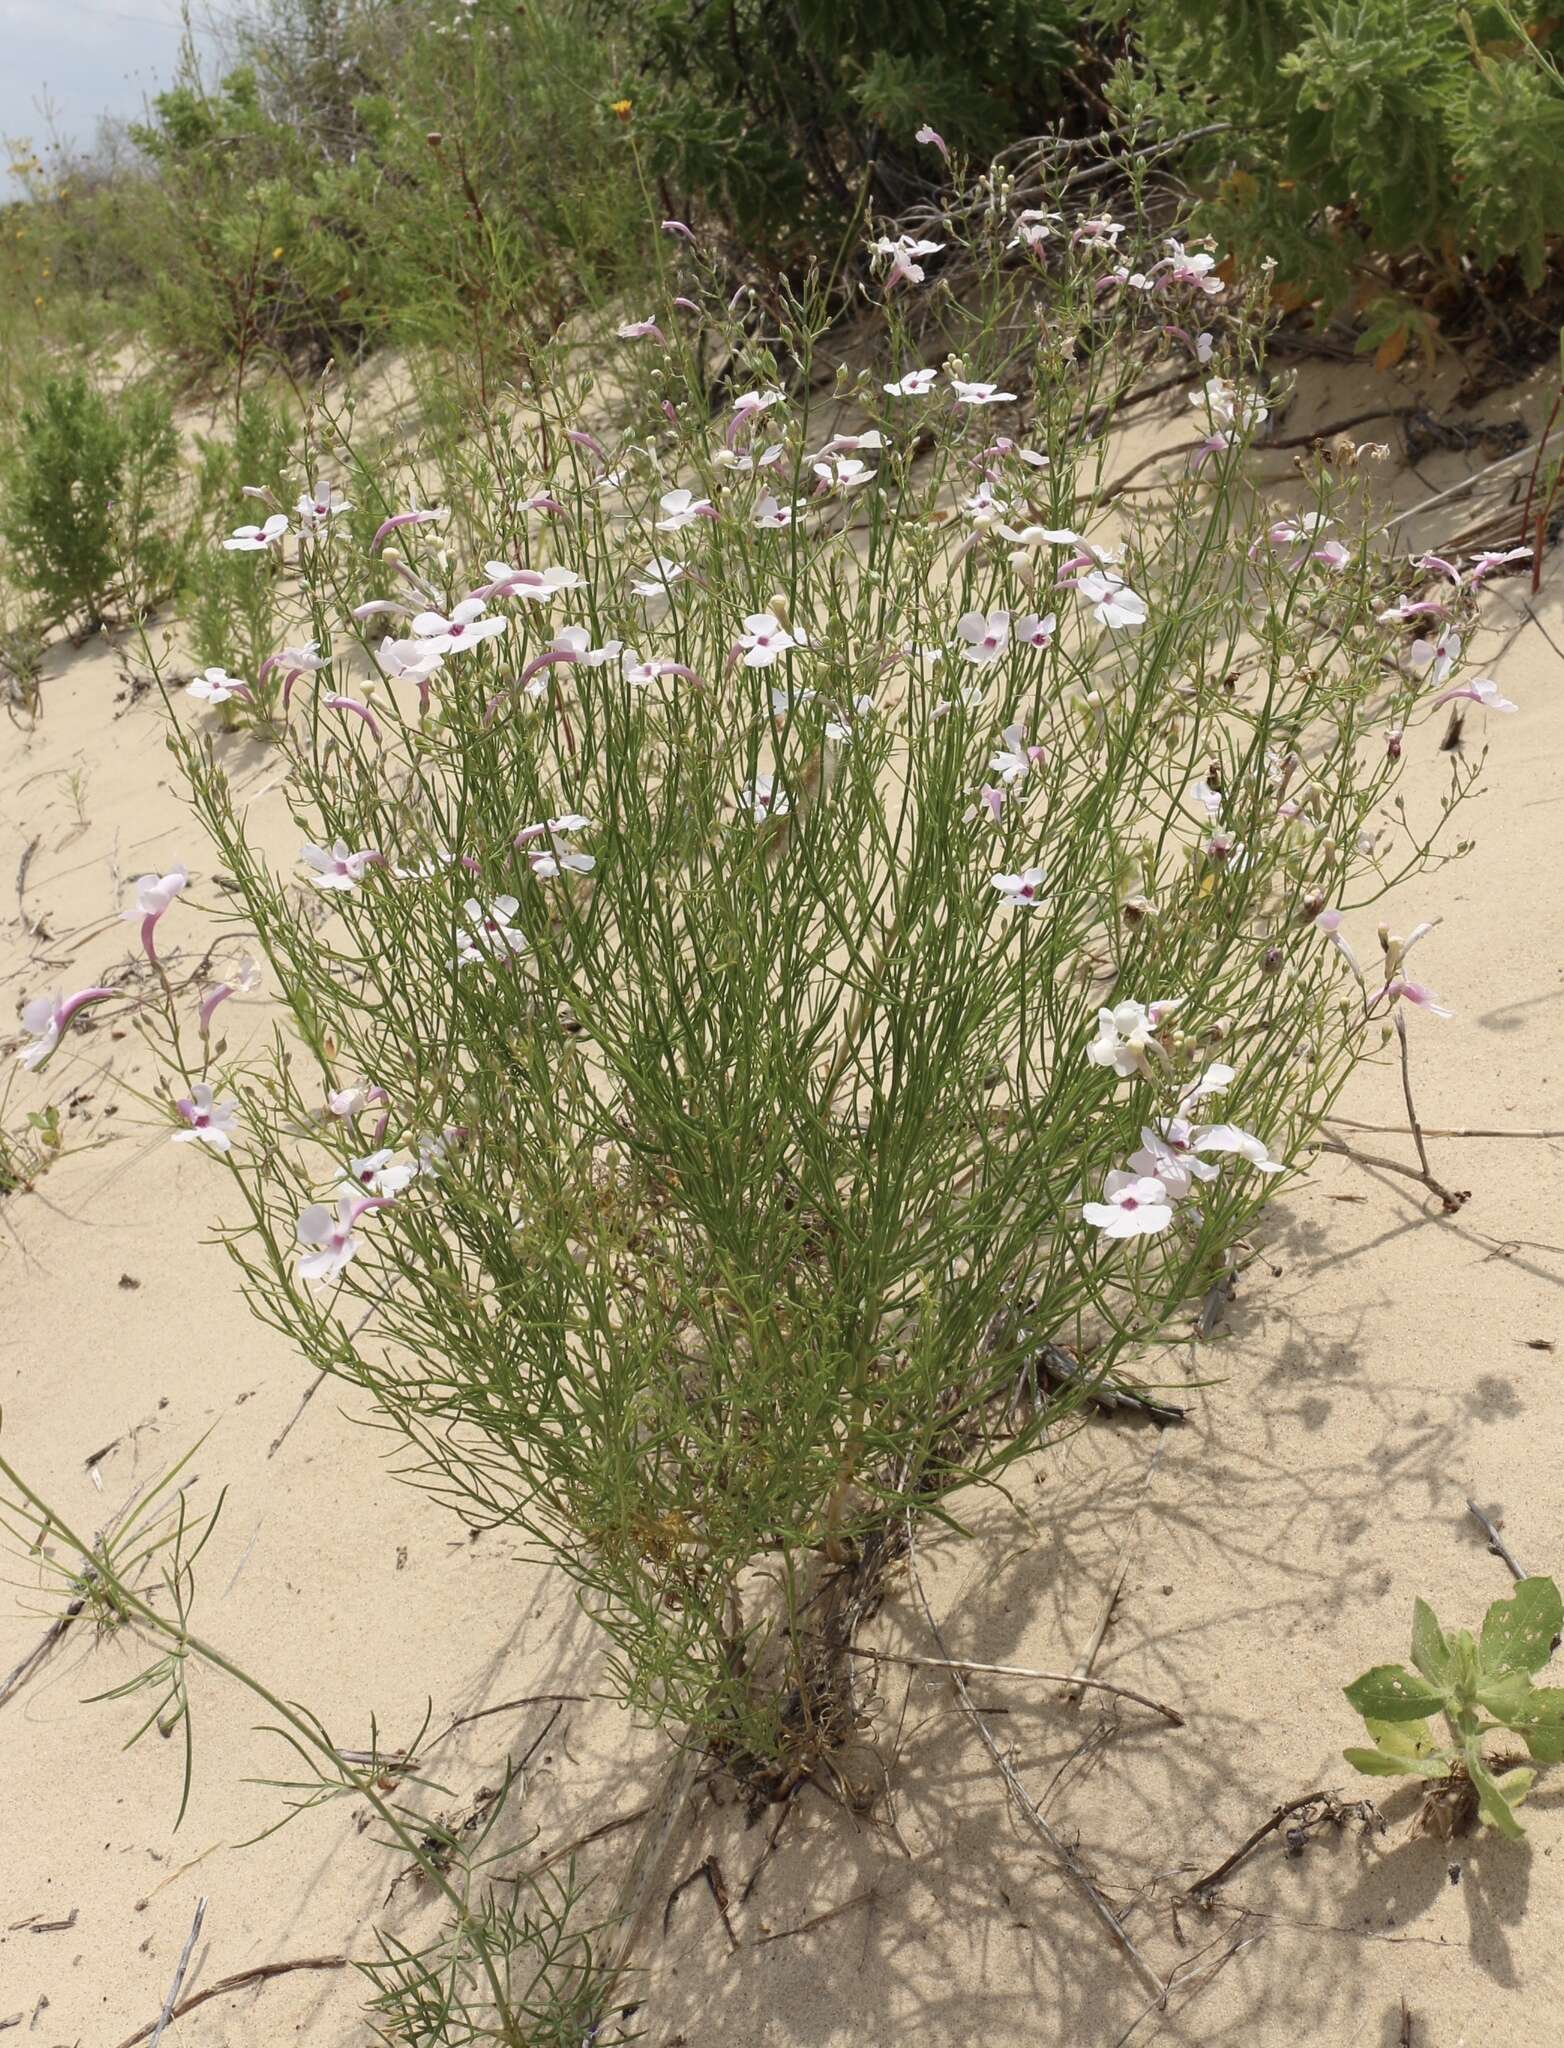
<point>87,483</point>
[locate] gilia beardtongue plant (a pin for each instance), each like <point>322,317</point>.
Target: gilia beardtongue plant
<point>755,998</point>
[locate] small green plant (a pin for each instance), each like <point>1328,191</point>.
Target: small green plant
<point>1482,1685</point>
<point>87,483</point>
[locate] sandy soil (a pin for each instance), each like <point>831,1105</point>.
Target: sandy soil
<point>1383,1363</point>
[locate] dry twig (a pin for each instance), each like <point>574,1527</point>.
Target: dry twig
<point>959,1667</point>
<point>1024,1803</point>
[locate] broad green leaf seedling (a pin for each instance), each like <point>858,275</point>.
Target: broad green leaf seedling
<point>1482,1686</point>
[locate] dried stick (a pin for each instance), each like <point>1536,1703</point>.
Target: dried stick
<point>179,1974</point>
<point>1451,1201</point>
<point>1069,1678</point>
<point>1496,1542</point>
<point>283,1434</point>
<point>237,1982</point>
<point>1070,1862</point>
<point>1209,1884</point>
<point>1082,1674</point>
<point>1352,1123</point>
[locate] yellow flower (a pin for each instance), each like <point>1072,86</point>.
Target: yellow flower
<point>277,253</point>
<point>621,108</point>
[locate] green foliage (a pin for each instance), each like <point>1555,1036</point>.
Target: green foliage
<point>1481,1685</point>
<point>775,116</point>
<point>87,485</point>
<point>1426,128</point>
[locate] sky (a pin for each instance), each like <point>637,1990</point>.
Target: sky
<point>66,63</point>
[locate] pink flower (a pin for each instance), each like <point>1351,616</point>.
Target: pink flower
<point>1482,690</point>
<point>353,1100</point>
<point>418,517</point>
<point>1416,992</point>
<point>1031,631</point>
<point>987,636</point>
<point>639,330</point>
<point>207,1121</point>
<point>677,227</point>
<point>329,1241</point>
<point>358,710</point>
<point>246,979</point>
<point>533,586</point>
<point>1134,1205</point>
<point>46,1019</point>
<point>154,893</point>
<point>932,139</point>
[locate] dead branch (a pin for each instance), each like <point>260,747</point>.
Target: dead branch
<point>237,1982</point>
<point>1066,1856</point>
<point>960,1667</point>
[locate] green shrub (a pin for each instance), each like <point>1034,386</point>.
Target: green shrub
<point>1428,128</point>
<point>87,482</point>
<point>777,116</point>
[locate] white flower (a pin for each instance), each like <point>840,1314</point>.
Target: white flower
<point>1167,1154</point>
<point>1134,1205</point>
<point>381,1173</point>
<point>463,630</point>
<point>1023,891</point>
<point>154,893</point>
<point>340,868</point>
<point>764,639</point>
<point>215,686</point>
<point>842,473</point>
<point>1112,601</point>
<point>1228,1138</point>
<point>1015,760</point>
<point>1208,798</point>
<point>489,933</point>
<point>987,636</point>
<point>657,578</point>
<point>1032,631</point>
<point>762,799</point>
<point>532,586</point>
<point>207,1121</point>
<point>329,1242</point>
<point>770,515</point>
<point>970,393</point>
<point>1126,1033</point>
<point>318,503</point>
<point>840,728</point>
<point>915,384</point>
<point>409,661</point>
<point>250,540</point>
<point>680,509</point>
